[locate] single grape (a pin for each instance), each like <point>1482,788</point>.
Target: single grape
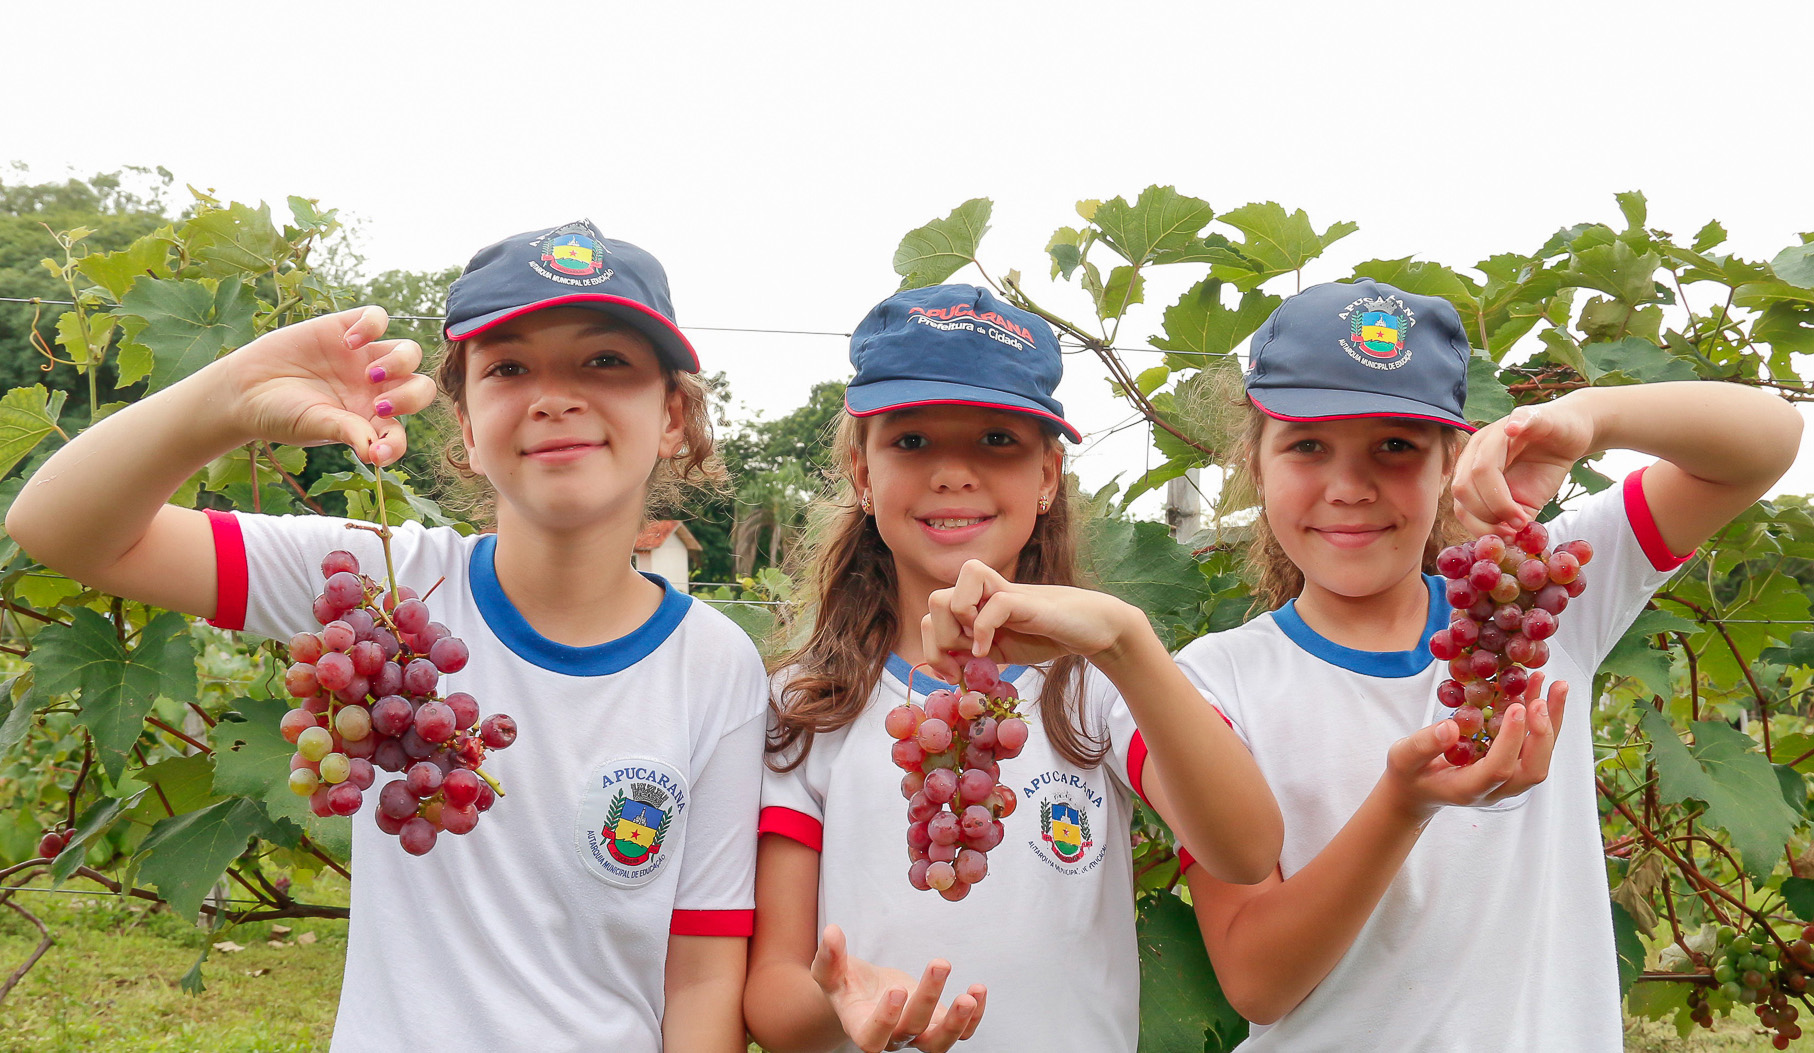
<point>303,782</point>
<point>1521,649</point>
<point>361,622</point>
<point>981,674</point>
<point>1006,800</point>
<point>465,709</point>
<point>1462,594</point>
<point>339,561</point>
<point>918,838</point>
<point>459,820</point>
<point>1506,590</point>
<point>982,733</point>
<point>970,705</point>
<point>435,721</point>
<point>392,715</point>
<point>971,865</point>
<point>353,723</point>
<point>1484,574</point>
<point>305,648</point>
<point>334,671</point>
<point>411,616</point>
<point>957,891</point>
<point>1534,538</point>
<point>1576,587</point>
<point>389,680</point>
<point>498,731</point>
<point>1492,638</point>
<point>1479,693</point>
<point>1513,680</point>
<point>314,743</point>
<point>361,773</point>
<point>1012,734</point>
<point>942,705</point>
<point>911,783</point>
<point>1469,720</point>
<point>423,778</point>
<point>1539,624</point>
<point>941,876</point>
<point>319,801</point>
<point>1563,568</point>
<point>941,785</point>
<point>974,821</point>
<point>903,722</point>
<point>942,853</point>
<point>944,828</point>
<point>449,655</point>
<point>344,590</point>
<point>326,612</point>
<point>300,681</point>
<point>461,787</point>
<point>368,659</point>
<point>335,767</point>
<point>1451,693</point>
<point>908,755</point>
<point>420,677</point>
<point>294,723</point>
<point>417,836</point>
<point>975,785</point>
<point>1484,663</point>
<point>396,801</point>
<point>390,756</point>
<point>921,808</point>
<point>1463,753</point>
<point>1464,631</point>
<point>1533,574</point>
<point>1454,561</point>
<point>916,875</point>
<point>50,845</point>
<point>1581,550</point>
<point>1489,547</point>
<point>345,799</point>
<point>1509,617</point>
<point>1443,645</point>
<point>337,635</point>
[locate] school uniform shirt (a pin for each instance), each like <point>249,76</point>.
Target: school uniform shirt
<point>1050,928</point>
<point>1496,933</point>
<point>547,926</point>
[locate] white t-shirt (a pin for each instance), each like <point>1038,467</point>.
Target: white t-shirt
<point>530,932</point>
<point>1049,930</point>
<point>1497,932</point>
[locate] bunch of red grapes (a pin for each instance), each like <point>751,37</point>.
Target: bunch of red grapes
<point>54,842</point>
<point>367,689</point>
<point>1506,599</point>
<point>951,749</point>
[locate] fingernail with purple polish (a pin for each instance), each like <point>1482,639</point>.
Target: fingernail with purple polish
<point>384,407</point>
<point>377,374</point>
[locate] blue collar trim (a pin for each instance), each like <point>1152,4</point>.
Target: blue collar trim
<point>925,683</point>
<point>1393,664</point>
<point>515,632</point>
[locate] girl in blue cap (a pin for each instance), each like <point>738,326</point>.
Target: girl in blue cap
<point>550,927</point>
<point>951,478</point>
<point>1394,921</point>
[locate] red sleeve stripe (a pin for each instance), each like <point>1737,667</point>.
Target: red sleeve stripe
<point>1136,765</point>
<point>230,576</point>
<point>789,823</point>
<point>1644,525</point>
<point>713,923</point>
<point>1185,860</point>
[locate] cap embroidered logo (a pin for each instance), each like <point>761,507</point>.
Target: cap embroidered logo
<point>1377,327</point>
<point>571,252</point>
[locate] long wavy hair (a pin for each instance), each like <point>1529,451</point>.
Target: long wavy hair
<point>694,468</point>
<point>1275,578</point>
<point>851,593</point>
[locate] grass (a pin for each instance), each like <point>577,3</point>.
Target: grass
<point>111,983</point>
<point>111,980</point>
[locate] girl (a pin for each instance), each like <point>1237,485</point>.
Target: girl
<point>1398,923</point>
<point>950,452</point>
<point>573,390</point>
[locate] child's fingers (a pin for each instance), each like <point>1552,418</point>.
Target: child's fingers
<point>923,1002</point>
<point>361,325</point>
<point>388,443</point>
<point>997,611</point>
<point>981,994</point>
<point>951,1027</point>
<point>411,395</point>
<point>1416,750</point>
<point>1481,493</point>
<point>877,1032</point>
<point>828,962</point>
<point>940,635</point>
<point>392,360</point>
<point>1501,761</point>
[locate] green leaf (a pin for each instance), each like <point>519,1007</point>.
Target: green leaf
<point>235,241</point>
<point>1617,270</point>
<point>1639,361</point>
<point>1182,1007</point>
<point>1151,380</point>
<point>1633,655</point>
<point>24,702</point>
<point>191,980</point>
<point>118,687</point>
<point>930,254</point>
<point>1710,236</point>
<point>1422,278</point>
<point>148,257</point>
<point>1140,563</point>
<point>1725,771</point>
<point>1795,265</point>
<point>1277,243</point>
<point>251,759</point>
<point>1630,947</point>
<point>189,323</point>
<point>1161,226</point>
<point>185,854</point>
<point>96,821</point>
<point>1124,289</point>
<point>186,783</point>
<point>1587,479</point>
<point>1632,204</point>
<point>1198,324</point>
<point>1798,892</point>
<point>1603,319</point>
<point>1795,789</point>
<point>85,345</point>
<point>1066,250</point>
<point>27,415</point>
<point>1488,399</point>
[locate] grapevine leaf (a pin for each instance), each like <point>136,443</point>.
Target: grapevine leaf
<point>928,255</point>
<point>1583,476</point>
<point>1140,563</point>
<point>1794,787</point>
<point>1277,243</point>
<point>1633,205</point>
<point>1630,947</point>
<point>1488,398</point>
<point>24,702</point>
<point>186,854</point>
<point>1161,226</point>
<point>27,415</point>
<point>1199,325</point>
<point>191,980</point>
<point>1066,250</point>
<point>84,347</point>
<point>251,759</point>
<point>1710,236</point>
<point>1616,269</point>
<point>238,239</point>
<point>1724,771</point>
<point>1655,1001</point>
<point>1181,1004</point>
<point>182,783</point>
<point>1799,651</point>
<point>1125,288</point>
<point>188,323</point>
<point>1633,655</point>
<point>1795,265</point>
<point>1798,892</point>
<point>1633,360</point>
<point>1424,279</point>
<point>96,821</point>
<point>118,687</point>
<point>148,257</point>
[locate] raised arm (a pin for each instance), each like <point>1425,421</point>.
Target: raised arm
<point>97,510</point>
<point>806,994</point>
<point>1197,774</point>
<point>1719,447</point>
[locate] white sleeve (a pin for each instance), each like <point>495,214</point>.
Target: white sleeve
<point>791,805</point>
<point>717,888</point>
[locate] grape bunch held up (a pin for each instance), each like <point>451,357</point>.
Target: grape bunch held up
<point>367,699</point>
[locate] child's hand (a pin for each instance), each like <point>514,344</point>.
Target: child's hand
<point>986,614</point>
<point>1518,760</point>
<point>877,1011</point>
<point>1512,467</point>
<point>330,379</point>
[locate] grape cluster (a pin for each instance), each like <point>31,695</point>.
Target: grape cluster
<point>366,689</point>
<point>1750,969</point>
<point>1506,598</point>
<point>951,749</point>
<point>54,842</point>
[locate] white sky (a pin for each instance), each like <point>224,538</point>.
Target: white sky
<point>772,155</point>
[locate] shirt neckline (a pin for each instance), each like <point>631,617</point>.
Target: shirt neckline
<point>515,632</point>
<point>1393,664</point>
<point>918,681</point>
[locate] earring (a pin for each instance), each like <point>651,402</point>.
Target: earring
<point>1045,502</point>
<point>867,510</point>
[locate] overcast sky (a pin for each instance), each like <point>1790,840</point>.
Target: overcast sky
<point>772,155</point>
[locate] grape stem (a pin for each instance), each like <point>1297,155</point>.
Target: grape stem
<point>496,786</point>
<point>384,527</point>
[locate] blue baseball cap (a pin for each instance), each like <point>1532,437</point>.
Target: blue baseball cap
<point>1361,349</point>
<point>568,266</point>
<point>955,345</point>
